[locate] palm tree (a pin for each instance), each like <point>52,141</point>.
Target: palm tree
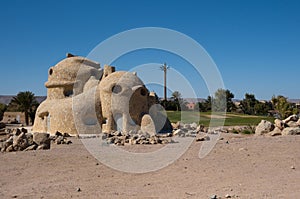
<point>176,96</point>
<point>26,103</point>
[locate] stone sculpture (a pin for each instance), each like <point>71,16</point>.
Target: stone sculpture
<point>83,98</point>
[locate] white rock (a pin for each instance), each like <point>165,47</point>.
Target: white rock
<point>291,118</point>
<point>275,132</point>
<point>178,132</point>
<point>292,124</point>
<point>278,123</point>
<point>264,127</point>
<point>291,131</point>
<point>194,125</point>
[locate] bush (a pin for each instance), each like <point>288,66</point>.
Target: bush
<point>3,108</point>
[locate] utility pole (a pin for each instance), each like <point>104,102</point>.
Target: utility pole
<point>165,68</point>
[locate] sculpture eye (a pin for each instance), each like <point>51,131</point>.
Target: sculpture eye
<point>143,92</point>
<point>116,89</point>
<point>50,71</point>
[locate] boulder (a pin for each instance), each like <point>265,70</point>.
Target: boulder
<point>293,118</point>
<point>42,139</point>
<point>293,124</point>
<point>276,131</point>
<point>291,131</point>
<point>278,123</point>
<point>264,127</point>
<point>29,138</point>
<point>147,125</point>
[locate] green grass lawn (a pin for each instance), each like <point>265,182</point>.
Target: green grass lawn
<point>231,119</point>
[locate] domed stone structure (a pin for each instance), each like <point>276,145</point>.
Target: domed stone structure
<point>82,98</point>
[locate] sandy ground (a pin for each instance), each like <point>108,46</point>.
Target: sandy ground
<point>245,167</point>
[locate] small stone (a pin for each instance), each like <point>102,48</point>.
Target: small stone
<point>59,139</point>
<point>213,197</point>
<point>32,147</point>
<point>227,196</point>
<point>58,133</point>
<point>194,125</point>
<point>204,138</point>
<point>292,167</point>
<point>200,128</point>
<point>23,130</point>
<point>78,189</point>
<point>69,142</point>
<point>176,125</point>
<point>17,132</point>
<point>10,148</point>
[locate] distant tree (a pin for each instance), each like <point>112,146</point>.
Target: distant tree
<point>283,107</point>
<point>223,100</point>
<point>262,108</point>
<point>251,106</point>
<point>26,102</point>
<point>208,102</point>
<point>176,97</point>
<point>247,104</point>
<point>3,108</point>
<point>205,105</point>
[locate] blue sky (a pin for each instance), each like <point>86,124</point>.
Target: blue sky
<point>255,44</point>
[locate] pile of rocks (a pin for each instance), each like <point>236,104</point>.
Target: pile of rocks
<point>60,138</point>
<point>141,137</point>
<point>288,126</point>
<point>135,137</point>
<point>21,140</point>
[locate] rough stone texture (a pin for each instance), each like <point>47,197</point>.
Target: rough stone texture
<point>264,127</point>
<point>275,132</point>
<point>293,118</point>
<point>20,142</point>
<point>278,123</point>
<point>133,138</point>
<point>42,139</point>
<point>147,125</point>
<point>83,98</point>
<point>203,138</point>
<point>292,124</point>
<point>291,131</point>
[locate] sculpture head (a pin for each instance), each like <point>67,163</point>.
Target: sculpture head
<point>125,98</point>
<point>73,71</point>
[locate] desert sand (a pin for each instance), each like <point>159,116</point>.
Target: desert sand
<point>239,166</point>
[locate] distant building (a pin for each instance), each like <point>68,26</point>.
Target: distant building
<point>13,118</point>
<point>190,105</point>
